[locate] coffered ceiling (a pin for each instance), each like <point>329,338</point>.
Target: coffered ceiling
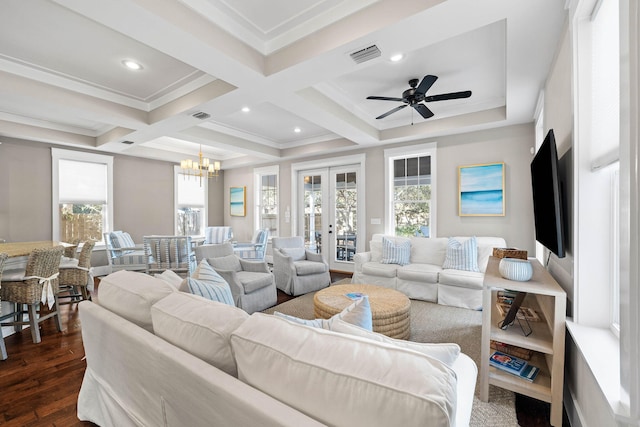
<point>63,79</point>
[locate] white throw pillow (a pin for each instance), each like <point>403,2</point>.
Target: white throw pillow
<point>199,326</point>
<point>343,380</point>
<point>462,256</point>
<point>444,352</point>
<point>296,254</point>
<point>130,294</point>
<point>171,277</point>
<point>398,252</point>
<point>358,313</point>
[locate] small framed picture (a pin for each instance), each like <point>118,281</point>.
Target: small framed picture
<point>238,201</point>
<point>481,189</point>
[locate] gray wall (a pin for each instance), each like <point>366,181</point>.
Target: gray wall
<point>510,145</point>
<point>143,194</point>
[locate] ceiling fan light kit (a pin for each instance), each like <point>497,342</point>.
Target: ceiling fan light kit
<point>415,97</point>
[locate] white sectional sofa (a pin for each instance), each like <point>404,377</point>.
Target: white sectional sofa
<point>424,277</point>
<point>156,356</point>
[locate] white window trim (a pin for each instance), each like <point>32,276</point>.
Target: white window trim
<point>177,171</point>
<point>258,173</point>
<point>391,154</point>
<point>58,154</point>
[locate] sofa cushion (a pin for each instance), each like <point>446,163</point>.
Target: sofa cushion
<point>229,263</point>
<point>381,270</point>
<point>199,326</point>
<point>252,281</point>
<point>461,278</point>
<point>396,252</point>
<point>130,294</point>
<point>296,254</point>
<point>358,313</point>
<point>353,384</point>
<point>462,255</point>
<point>305,268</point>
<point>430,250</point>
<point>421,273</point>
<point>444,352</point>
<point>376,251</point>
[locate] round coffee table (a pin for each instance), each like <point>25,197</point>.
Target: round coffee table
<point>389,308</point>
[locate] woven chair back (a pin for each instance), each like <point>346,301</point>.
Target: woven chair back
<point>42,263</point>
<point>84,260</point>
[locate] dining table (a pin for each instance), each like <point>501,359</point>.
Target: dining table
<point>19,252</point>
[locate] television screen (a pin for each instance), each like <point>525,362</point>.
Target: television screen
<point>547,197</point>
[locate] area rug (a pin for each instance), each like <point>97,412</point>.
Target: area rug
<point>437,323</point>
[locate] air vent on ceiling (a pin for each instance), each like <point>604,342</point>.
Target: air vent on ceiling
<point>127,142</point>
<point>366,54</point>
<point>201,115</point>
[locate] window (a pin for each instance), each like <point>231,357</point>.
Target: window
<point>82,194</point>
<point>410,190</point>
<point>190,203</point>
<point>266,198</point>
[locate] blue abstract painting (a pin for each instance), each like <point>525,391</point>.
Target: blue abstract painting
<point>481,190</point>
<point>237,201</point>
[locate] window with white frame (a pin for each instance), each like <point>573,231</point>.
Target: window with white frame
<point>190,203</point>
<point>410,195</point>
<point>82,195</point>
<point>266,198</point>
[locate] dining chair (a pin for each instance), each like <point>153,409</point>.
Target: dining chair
<point>3,348</point>
<point>37,285</point>
<point>76,279</point>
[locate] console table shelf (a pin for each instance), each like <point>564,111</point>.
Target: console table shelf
<point>548,299</point>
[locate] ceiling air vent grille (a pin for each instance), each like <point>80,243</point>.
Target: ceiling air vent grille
<point>127,142</point>
<point>366,54</point>
<point>201,115</point>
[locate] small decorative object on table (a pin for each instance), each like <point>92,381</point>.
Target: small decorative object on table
<point>509,253</point>
<point>515,269</point>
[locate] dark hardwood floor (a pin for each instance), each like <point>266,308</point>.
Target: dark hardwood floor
<point>39,383</point>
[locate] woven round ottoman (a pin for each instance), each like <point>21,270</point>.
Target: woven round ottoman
<point>389,308</point>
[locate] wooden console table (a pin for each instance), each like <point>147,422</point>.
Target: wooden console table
<point>549,300</point>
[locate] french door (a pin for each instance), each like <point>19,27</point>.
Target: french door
<point>328,212</point>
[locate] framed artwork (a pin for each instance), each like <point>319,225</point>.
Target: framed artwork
<point>238,201</point>
<point>481,189</point>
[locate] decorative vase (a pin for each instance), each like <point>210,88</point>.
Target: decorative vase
<point>515,269</point>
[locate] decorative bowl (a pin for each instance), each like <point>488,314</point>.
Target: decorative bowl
<point>520,270</point>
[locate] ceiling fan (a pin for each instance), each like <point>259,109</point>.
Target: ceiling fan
<point>415,95</point>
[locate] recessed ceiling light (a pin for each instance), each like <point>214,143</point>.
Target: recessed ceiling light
<point>131,64</point>
<point>297,129</point>
<point>397,57</point>
<point>246,109</point>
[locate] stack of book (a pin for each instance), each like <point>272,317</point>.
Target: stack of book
<point>512,350</point>
<point>514,365</point>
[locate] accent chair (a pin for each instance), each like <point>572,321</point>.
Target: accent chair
<point>255,249</point>
<point>297,270</point>
<point>123,253</point>
<point>169,253</point>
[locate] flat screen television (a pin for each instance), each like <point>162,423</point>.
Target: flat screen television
<point>547,197</point>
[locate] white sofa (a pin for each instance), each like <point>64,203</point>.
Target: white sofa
<point>424,278</point>
<point>156,356</point>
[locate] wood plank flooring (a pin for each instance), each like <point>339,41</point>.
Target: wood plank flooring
<point>39,383</point>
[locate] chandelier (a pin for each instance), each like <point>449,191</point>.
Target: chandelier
<point>203,168</point>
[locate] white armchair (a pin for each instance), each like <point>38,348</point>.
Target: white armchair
<point>255,249</point>
<point>297,270</point>
<point>217,235</point>
<point>123,253</point>
<point>251,282</point>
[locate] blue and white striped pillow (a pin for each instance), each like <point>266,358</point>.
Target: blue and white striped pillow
<point>462,256</point>
<point>398,252</point>
<point>210,290</point>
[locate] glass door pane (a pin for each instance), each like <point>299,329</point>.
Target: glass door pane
<point>345,214</point>
<point>312,197</point>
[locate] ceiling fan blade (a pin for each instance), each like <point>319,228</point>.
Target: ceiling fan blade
<point>426,84</point>
<point>447,96</point>
<point>391,112</point>
<point>423,110</point>
<point>384,98</point>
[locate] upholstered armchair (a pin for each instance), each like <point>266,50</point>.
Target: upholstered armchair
<point>217,235</point>
<point>169,253</point>
<point>251,282</point>
<point>297,270</point>
<point>256,248</point>
<point>123,253</point>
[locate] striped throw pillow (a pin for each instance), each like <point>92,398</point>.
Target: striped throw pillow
<point>210,290</point>
<point>462,256</point>
<point>398,252</point>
